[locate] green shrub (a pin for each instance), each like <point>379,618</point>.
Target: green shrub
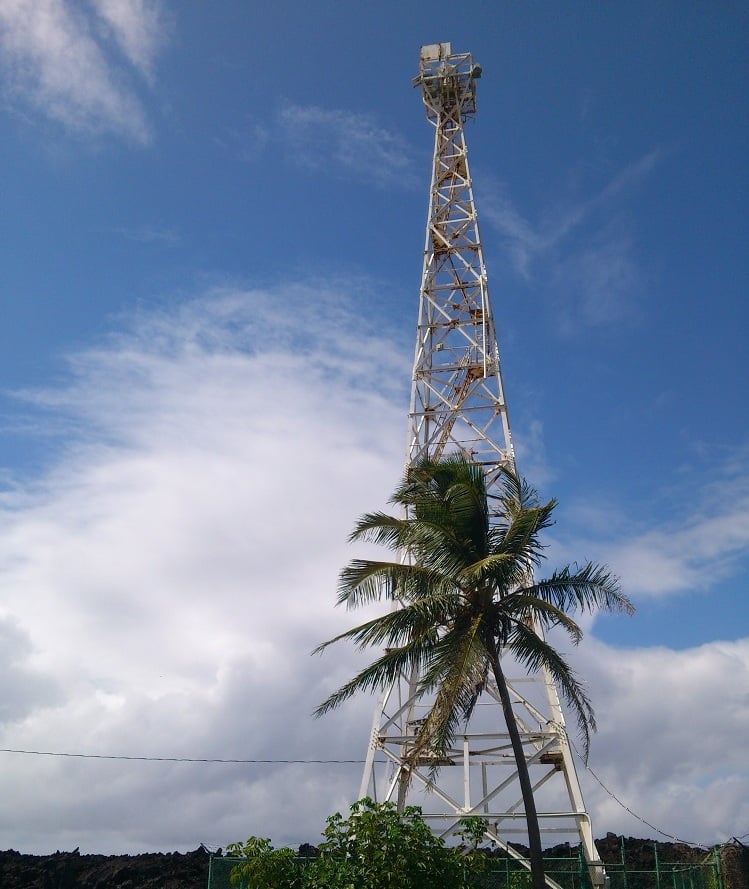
<point>375,847</point>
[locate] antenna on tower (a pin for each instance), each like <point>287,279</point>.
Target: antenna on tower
<point>458,404</point>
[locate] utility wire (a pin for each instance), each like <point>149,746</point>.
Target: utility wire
<point>184,758</point>
<point>318,762</point>
<point>634,814</point>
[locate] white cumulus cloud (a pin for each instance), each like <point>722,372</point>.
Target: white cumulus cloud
<point>163,584</point>
<point>164,579</point>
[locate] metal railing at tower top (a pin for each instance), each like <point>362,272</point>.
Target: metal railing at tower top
<point>448,81</point>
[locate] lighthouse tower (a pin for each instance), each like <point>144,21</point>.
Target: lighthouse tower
<point>458,404</point>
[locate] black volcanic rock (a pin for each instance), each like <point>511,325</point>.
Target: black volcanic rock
<point>175,870</point>
<point>71,870</point>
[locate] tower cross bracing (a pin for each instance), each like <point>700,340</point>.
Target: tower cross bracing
<point>458,404</point>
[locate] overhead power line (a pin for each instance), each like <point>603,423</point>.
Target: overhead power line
<point>183,758</point>
<point>225,761</point>
<point>634,814</point>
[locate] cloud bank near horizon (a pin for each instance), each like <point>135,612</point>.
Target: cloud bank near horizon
<point>164,578</point>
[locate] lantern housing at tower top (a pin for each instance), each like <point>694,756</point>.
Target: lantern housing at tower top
<point>448,81</point>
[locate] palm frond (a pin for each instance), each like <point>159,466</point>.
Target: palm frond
<point>534,653</point>
<point>411,622</point>
<point>590,588</point>
<point>363,581</point>
<point>379,675</point>
<point>520,606</point>
<point>463,592</point>
<point>502,571</point>
<point>457,668</point>
<point>521,536</point>
<point>380,528</point>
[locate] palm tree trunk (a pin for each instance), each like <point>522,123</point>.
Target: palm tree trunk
<point>404,779</point>
<point>531,816</point>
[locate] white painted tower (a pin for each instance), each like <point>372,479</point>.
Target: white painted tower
<point>458,404</point>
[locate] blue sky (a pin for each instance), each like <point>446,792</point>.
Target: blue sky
<point>212,227</point>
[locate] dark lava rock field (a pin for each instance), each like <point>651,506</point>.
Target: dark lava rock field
<point>189,870</point>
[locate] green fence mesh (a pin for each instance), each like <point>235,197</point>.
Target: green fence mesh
<point>705,875</point>
<point>569,873</point>
<point>219,870</point>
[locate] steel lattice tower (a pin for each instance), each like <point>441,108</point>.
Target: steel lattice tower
<point>458,403</point>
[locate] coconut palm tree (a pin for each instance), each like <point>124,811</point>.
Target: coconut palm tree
<point>464,584</point>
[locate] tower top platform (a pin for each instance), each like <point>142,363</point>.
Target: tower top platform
<point>448,82</point>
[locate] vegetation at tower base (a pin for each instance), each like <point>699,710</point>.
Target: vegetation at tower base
<point>376,847</point>
<point>467,596</point>
<point>630,862</point>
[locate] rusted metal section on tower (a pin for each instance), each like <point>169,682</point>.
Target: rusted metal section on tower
<point>457,397</point>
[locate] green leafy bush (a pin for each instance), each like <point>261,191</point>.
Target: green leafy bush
<point>375,847</point>
<point>264,867</point>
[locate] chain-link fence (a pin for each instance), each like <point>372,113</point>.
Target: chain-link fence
<point>568,873</point>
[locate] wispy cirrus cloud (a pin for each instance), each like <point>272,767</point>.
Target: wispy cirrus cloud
<point>700,550</point>
<point>333,142</point>
<point>152,234</point>
<point>140,28</point>
<point>529,243</point>
<point>581,251</point>
<point>346,144</point>
<point>703,541</point>
<point>247,141</point>
<point>58,58</point>
<point>595,282</point>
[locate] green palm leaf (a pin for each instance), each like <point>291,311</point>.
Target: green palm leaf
<point>465,595</point>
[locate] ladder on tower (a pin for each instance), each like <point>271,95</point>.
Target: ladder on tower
<point>458,404</point>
